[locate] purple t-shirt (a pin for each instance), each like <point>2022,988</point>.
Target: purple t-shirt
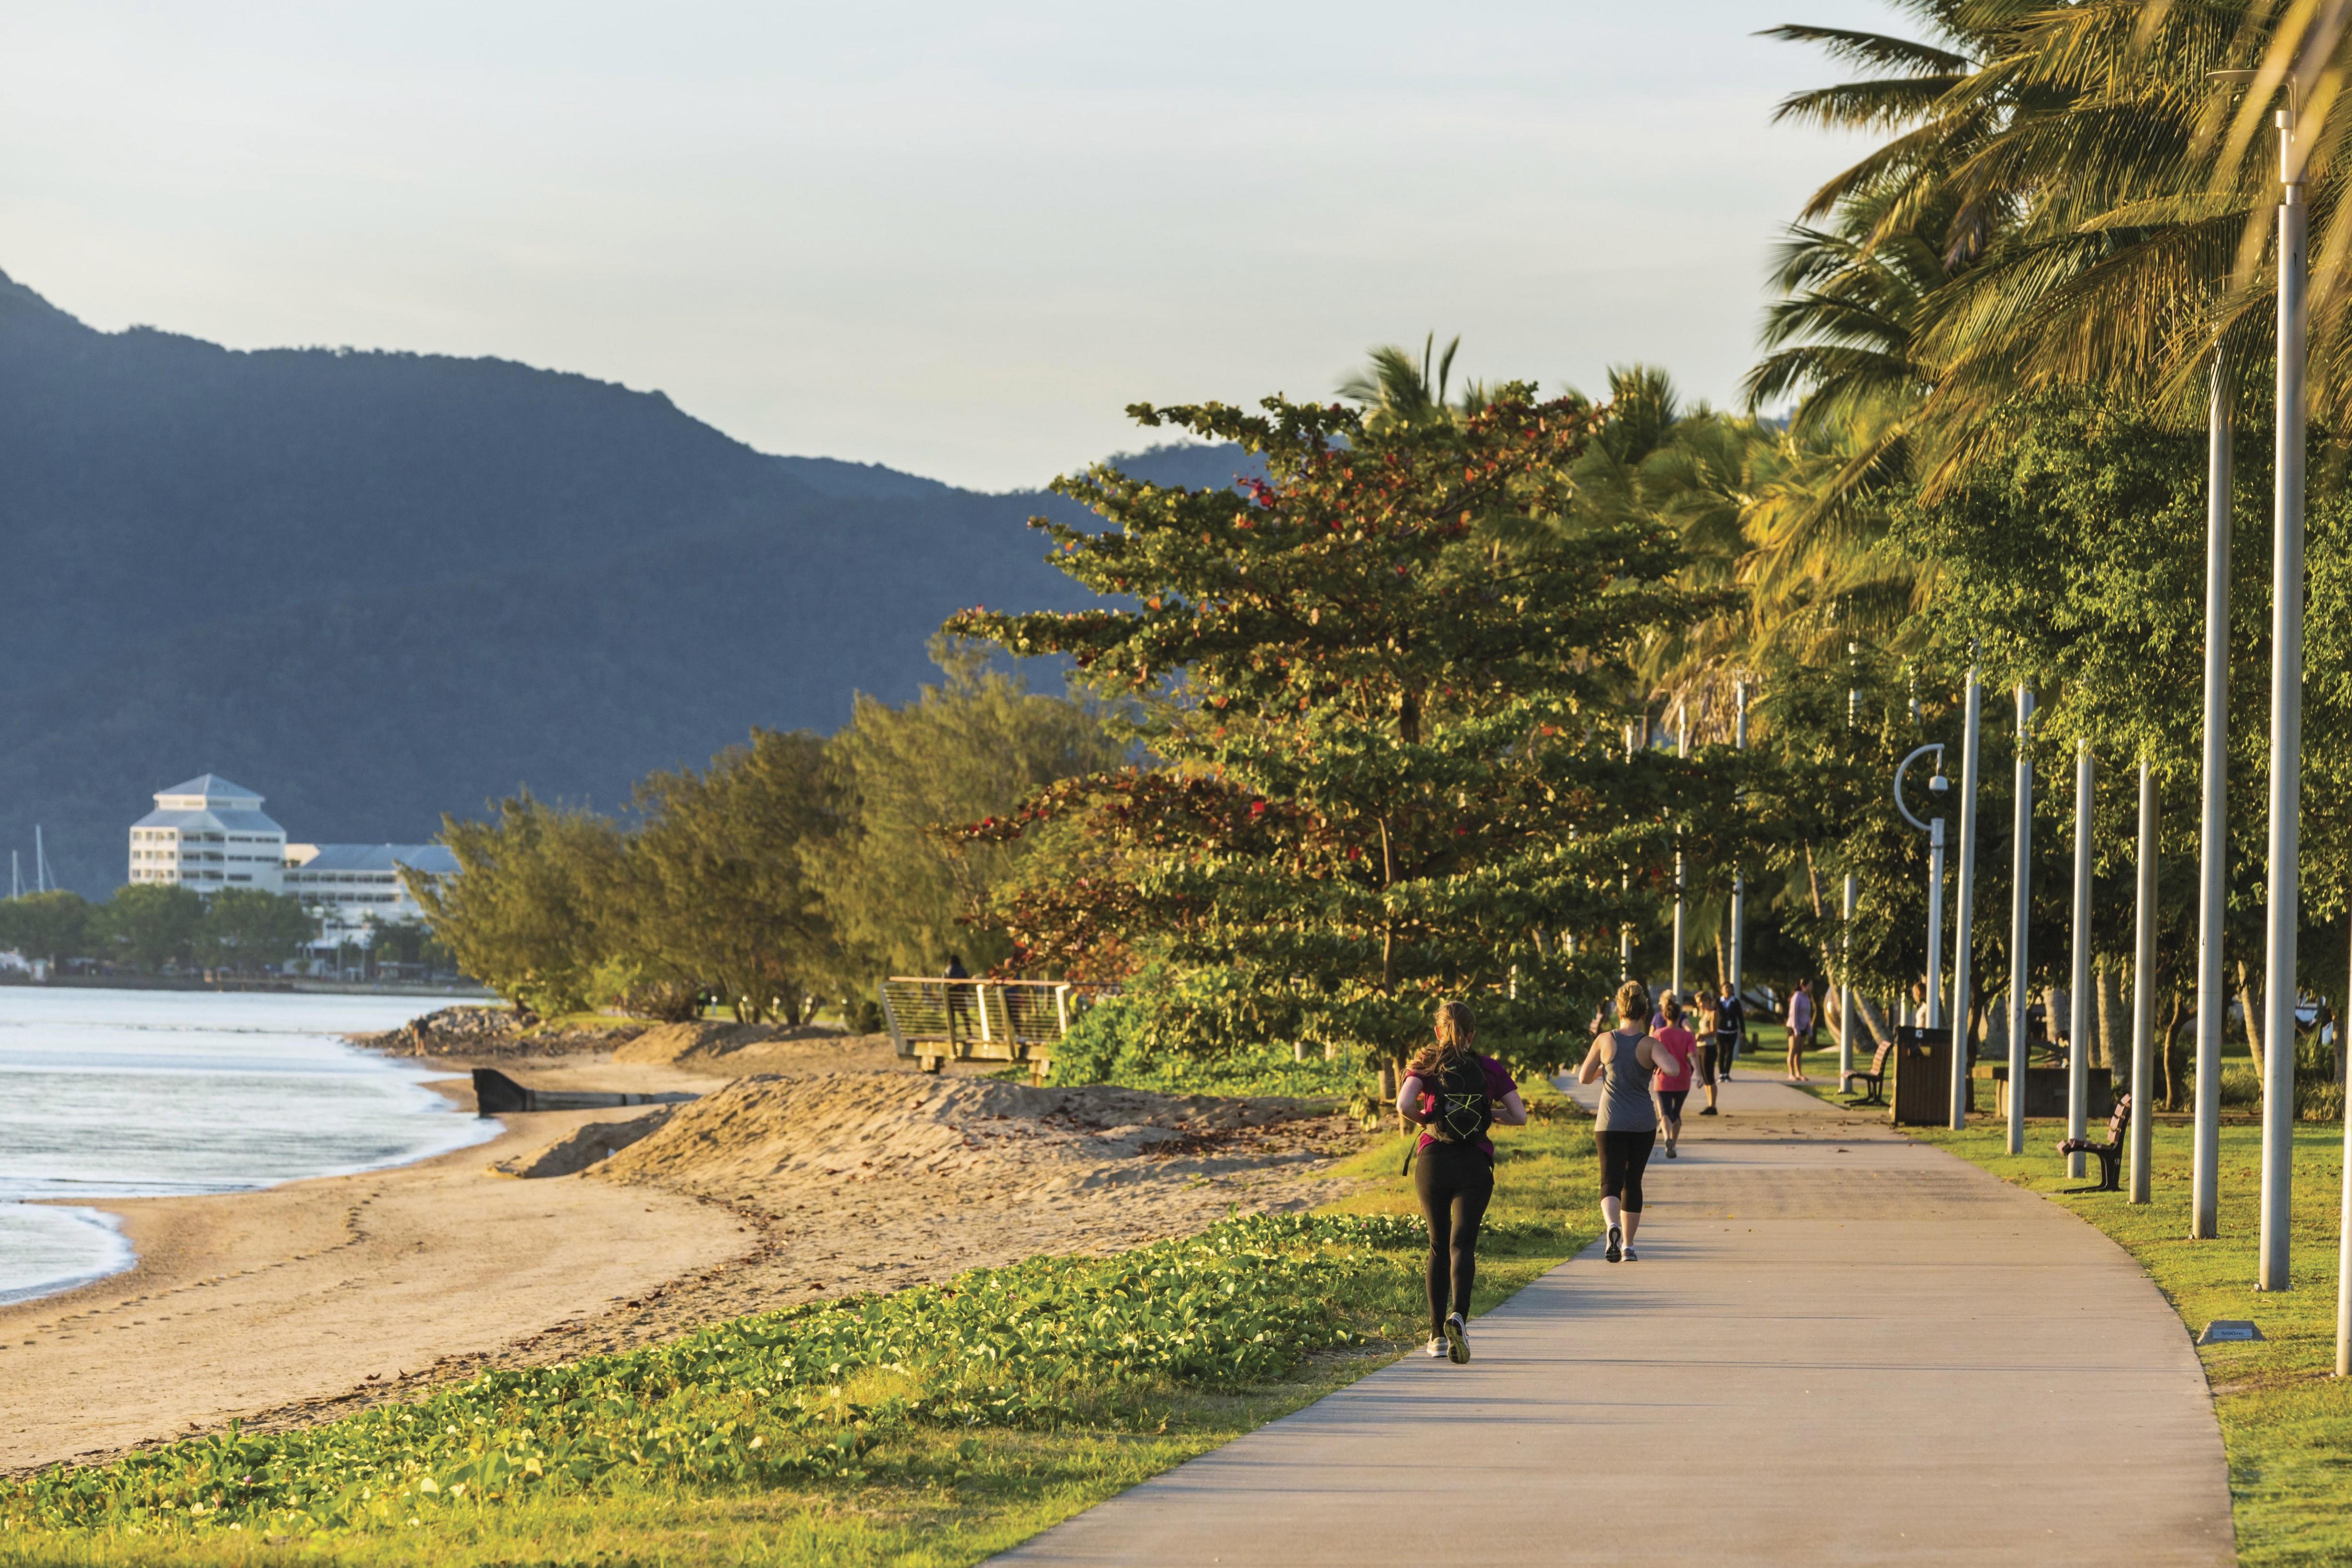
<point>1499,1082</point>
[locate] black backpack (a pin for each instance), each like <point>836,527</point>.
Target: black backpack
<point>1465,1109</point>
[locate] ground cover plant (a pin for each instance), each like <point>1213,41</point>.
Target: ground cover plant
<point>2285,1420</point>
<point>932,1426</point>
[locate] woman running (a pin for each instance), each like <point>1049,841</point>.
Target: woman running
<point>1454,1093</point>
<point>1706,1020</point>
<point>1622,1061</point>
<point>1677,1049</point>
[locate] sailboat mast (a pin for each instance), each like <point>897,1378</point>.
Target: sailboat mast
<point>41,862</point>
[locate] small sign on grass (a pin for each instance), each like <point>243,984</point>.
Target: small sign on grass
<point>2229,1331</point>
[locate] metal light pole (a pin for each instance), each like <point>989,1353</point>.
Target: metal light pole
<point>2078,1015</point>
<point>1739,882</point>
<point>2143,1067</point>
<point>2286,727</point>
<point>2020,902</point>
<point>2213,832</point>
<point>1681,749</point>
<point>1845,929</point>
<point>1965,919</point>
<point>1934,831</point>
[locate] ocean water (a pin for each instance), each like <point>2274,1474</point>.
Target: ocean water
<point>111,1094</point>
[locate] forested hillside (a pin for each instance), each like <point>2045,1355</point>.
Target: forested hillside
<point>378,587</point>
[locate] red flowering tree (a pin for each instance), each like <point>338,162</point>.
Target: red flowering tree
<point>1384,686</point>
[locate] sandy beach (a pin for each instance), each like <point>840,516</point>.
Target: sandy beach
<point>811,1169</point>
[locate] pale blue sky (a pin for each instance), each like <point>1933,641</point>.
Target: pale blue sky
<point>953,239</point>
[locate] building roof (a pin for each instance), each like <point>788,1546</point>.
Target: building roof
<point>213,789</point>
<point>434,860</point>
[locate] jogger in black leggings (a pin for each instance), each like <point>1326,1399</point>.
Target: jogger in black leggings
<point>1454,1093</point>
<point>1454,1181</point>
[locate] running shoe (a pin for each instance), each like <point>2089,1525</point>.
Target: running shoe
<point>1457,1340</point>
<point>1437,1347</point>
<point>1670,1153</point>
<point>1706,1111</point>
<point>1616,1245</point>
<point>1631,1256</point>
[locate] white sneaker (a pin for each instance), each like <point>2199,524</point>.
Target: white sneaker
<point>1631,1256</point>
<point>1437,1347</point>
<point>1457,1339</point>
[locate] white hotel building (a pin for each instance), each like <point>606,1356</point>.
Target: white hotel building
<point>209,834</point>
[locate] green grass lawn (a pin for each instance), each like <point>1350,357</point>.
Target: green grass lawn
<point>931,1426</point>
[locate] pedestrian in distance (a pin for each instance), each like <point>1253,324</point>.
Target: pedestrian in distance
<point>1730,1023</point>
<point>1801,1029</point>
<point>1708,1013</point>
<point>1624,1061</point>
<point>1680,1048</point>
<point>1454,1095</point>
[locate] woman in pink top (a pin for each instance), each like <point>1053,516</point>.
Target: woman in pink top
<point>1678,1048</point>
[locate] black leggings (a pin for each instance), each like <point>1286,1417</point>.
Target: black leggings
<point>1454,1181</point>
<point>1623,1155</point>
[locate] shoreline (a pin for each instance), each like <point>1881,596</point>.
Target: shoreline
<point>276,1300</point>
<point>811,1170</point>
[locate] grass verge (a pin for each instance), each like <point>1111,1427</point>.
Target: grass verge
<point>2286,1422</point>
<point>931,1426</point>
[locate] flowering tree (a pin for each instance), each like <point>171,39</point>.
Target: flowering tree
<point>1384,684</point>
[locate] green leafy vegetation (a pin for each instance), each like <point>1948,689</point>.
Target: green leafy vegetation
<point>932,1426</point>
<point>149,927</point>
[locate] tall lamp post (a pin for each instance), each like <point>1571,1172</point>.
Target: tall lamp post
<point>2213,833</point>
<point>1845,927</point>
<point>2287,723</point>
<point>1740,881</point>
<point>1681,749</point>
<point>2078,1016</point>
<point>1934,829</point>
<point>1964,917</point>
<point>2021,906</point>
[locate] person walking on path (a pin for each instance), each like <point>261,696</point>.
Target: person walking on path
<point>1454,1095</point>
<point>1680,1050</point>
<point>1708,1012</point>
<point>1729,1022</point>
<point>1801,1029</point>
<point>1622,1061</point>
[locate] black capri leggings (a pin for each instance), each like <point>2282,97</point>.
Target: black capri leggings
<point>1623,1155</point>
<point>1454,1181</point>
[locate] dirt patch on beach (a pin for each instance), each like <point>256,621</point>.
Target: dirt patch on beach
<point>871,1181</point>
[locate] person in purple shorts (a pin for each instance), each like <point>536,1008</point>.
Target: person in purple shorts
<point>1455,1094</point>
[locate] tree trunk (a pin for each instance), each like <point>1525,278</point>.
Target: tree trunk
<point>2249,1002</point>
<point>2110,1006</point>
<point>2172,1058</point>
<point>1722,966</point>
<point>1872,1019</point>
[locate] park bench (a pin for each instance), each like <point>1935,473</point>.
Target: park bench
<point>935,1021</point>
<point>2110,1153</point>
<point>1875,1078</point>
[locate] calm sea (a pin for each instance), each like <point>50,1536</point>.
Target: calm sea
<point>143,1093</point>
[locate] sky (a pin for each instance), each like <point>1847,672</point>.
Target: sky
<point>955,238</point>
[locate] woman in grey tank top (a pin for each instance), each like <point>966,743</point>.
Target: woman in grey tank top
<point>1622,1061</point>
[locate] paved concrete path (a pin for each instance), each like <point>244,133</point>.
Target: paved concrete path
<point>1839,1346</point>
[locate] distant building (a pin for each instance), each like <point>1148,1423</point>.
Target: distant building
<point>347,884</point>
<point>208,834</point>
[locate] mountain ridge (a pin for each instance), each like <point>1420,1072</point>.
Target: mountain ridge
<point>382,586</point>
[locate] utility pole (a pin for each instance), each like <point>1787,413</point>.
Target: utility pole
<point>2078,1016</point>
<point>2143,1067</point>
<point>2213,833</point>
<point>1682,751</point>
<point>2287,723</point>
<point>1965,917</point>
<point>2020,903</point>
<point>1739,880</point>
<point>1846,928</point>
